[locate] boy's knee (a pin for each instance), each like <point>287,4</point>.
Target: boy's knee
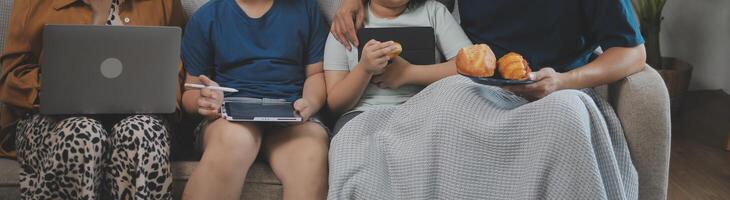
<point>314,132</point>
<point>312,146</point>
<point>237,140</point>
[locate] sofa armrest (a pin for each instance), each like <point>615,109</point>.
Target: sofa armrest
<point>642,104</point>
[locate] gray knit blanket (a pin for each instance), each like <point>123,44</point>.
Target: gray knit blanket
<point>460,140</point>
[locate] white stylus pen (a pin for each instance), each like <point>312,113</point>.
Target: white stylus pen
<point>199,86</point>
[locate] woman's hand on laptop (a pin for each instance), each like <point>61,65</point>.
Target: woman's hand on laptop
<point>304,109</point>
<point>375,56</point>
<point>210,101</point>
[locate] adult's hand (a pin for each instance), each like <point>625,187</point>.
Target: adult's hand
<point>547,81</point>
<point>614,64</point>
<point>349,17</point>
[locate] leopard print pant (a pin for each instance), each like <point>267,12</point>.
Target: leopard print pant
<point>77,158</point>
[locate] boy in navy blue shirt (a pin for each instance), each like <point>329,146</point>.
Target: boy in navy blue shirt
<point>269,49</point>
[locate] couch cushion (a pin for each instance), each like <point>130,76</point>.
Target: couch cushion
<point>9,171</point>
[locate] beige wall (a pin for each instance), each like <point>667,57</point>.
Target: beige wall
<point>698,31</point>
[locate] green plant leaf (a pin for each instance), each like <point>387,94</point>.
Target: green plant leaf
<point>649,11</point>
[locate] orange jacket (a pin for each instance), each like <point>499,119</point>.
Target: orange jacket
<point>20,83</point>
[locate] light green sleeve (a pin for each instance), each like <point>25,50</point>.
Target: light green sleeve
<point>335,55</point>
<point>449,35</point>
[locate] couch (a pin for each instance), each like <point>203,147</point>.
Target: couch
<point>641,102</point>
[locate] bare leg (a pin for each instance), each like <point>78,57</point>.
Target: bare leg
<point>298,156</point>
<point>229,150</point>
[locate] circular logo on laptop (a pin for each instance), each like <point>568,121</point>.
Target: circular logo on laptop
<point>111,68</point>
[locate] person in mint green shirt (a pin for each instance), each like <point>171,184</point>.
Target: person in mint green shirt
<point>359,84</point>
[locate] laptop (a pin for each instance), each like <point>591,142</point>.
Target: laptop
<point>419,43</point>
<point>258,110</point>
<point>88,69</point>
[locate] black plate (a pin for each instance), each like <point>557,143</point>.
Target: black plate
<point>497,81</point>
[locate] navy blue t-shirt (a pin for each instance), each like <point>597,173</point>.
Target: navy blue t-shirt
<point>262,57</point>
<point>551,33</point>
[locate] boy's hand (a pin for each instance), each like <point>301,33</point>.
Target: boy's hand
<point>304,109</point>
<point>210,101</point>
<point>375,56</point>
<point>396,75</point>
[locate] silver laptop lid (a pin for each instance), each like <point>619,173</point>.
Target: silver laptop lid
<point>88,69</point>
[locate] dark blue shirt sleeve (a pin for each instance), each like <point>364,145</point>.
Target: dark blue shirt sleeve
<point>612,23</point>
<point>197,53</point>
<point>318,34</point>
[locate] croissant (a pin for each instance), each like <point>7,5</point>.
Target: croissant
<point>398,49</point>
<point>513,67</point>
<point>476,60</point>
